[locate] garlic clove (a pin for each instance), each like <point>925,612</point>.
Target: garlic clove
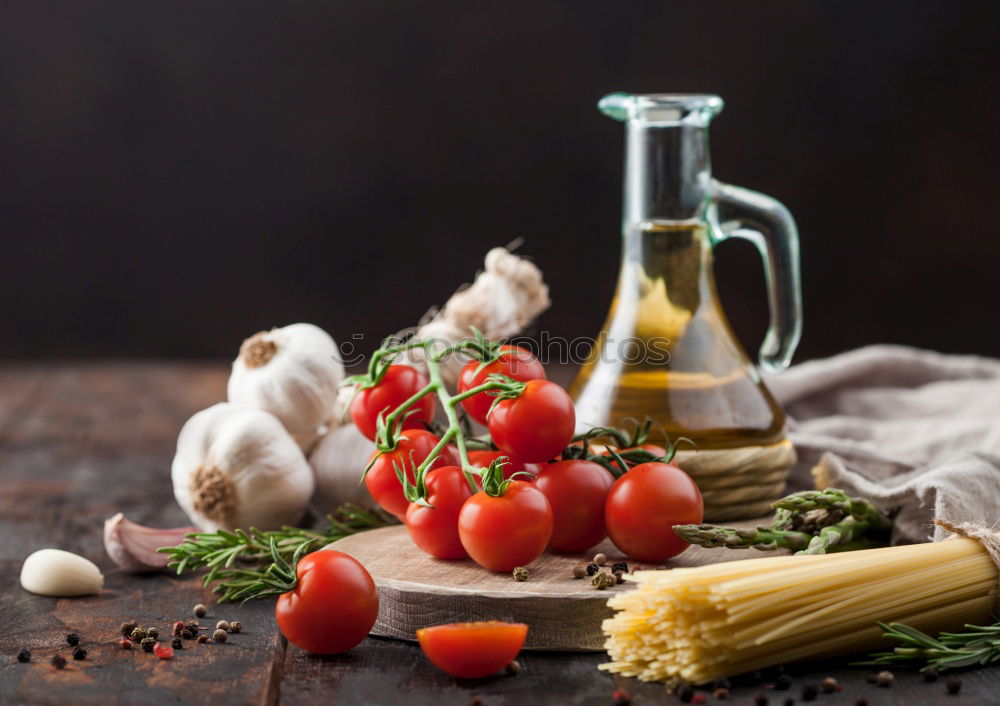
<point>133,547</point>
<point>54,572</point>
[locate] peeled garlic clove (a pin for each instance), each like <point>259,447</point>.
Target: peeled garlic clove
<point>338,461</point>
<point>294,373</point>
<point>133,546</point>
<point>53,572</point>
<point>238,467</point>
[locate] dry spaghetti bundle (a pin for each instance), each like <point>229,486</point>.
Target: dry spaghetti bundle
<point>700,624</point>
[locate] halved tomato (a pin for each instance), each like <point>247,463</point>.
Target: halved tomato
<point>472,650</point>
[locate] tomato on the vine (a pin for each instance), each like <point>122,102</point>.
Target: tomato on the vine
<point>483,458</point>
<point>435,529</point>
<point>412,448</point>
<point>513,361</point>
<point>399,383</point>
<point>332,608</point>
<point>536,425</point>
<point>472,650</point>
<point>643,506</point>
<point>577,491</point>
<point>506,530</point>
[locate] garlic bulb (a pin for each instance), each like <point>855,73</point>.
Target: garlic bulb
<point>238,467</point>
<point>503,300</point>
<point>338,462</point>
<point>293,373</point>
<point>53,572</point>
<point>133,547</point>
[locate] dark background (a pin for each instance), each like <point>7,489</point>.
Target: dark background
<point>177,175</point>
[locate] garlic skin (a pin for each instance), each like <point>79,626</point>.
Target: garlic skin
<point>294,373</point>
<point>238,467</point>
<point>506,296</point>
<point>133,547</point>
<point>54,572</point>
<point>338,462</point>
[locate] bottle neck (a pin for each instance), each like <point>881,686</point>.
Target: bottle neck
<point>667,173</point>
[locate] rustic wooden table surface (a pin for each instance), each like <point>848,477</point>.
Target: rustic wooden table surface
<point>80,442</point>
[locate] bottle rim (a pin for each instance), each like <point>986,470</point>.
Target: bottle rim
<point>662,108</point>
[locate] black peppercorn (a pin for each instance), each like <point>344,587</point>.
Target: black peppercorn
<point>861,702</point>
<point>147,644</point>
<point>783,682</point>
<point>789,701</point>
<point>139,634</point>
<point>127,627</point>
<point>931,675</point>
<point>79,653</point>
<point>685,694</point>
<point>202,639</point>
<point>23,656</point>
<point>809,692</point>
<point>187,634</point>
<point>514,667</point>
<point>619,566</point>
<point>592,569</point>
<point>953,686</point>
<point>760,699</point>
<point>152,632</point>
<point>58,661</point>
<point>177,644</point>
<point>73,639</point>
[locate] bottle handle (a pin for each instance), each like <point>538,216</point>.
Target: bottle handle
<point>767,224</point>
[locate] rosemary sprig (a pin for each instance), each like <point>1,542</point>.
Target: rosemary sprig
<point>951,650</point>
<point>252,564</point>
<point>809,522</point>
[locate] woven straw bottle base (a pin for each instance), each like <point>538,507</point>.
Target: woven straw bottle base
<point>740,483</point>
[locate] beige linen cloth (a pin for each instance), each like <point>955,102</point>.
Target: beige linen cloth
<point>908,429</point>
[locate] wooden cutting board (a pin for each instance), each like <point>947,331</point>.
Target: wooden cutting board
<point>416,590</point>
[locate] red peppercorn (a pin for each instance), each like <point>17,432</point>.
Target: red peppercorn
<point>620,697</point>
<point>125,644</point>
<point>700,697</point>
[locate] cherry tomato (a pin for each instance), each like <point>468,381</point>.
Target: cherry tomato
<point>483,458</point>
<point>514,362</point>
<point>472,650</point>
<point>576,490</point>
<point>333,607</point>
<point>510,530</point>
<point>381,480</point>
<point>536,425</point>
<point>399,384</point>
<point>643,506</point>
<point>435,529</point>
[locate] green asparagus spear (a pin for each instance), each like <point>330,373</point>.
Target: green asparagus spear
<point>809,522</point>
